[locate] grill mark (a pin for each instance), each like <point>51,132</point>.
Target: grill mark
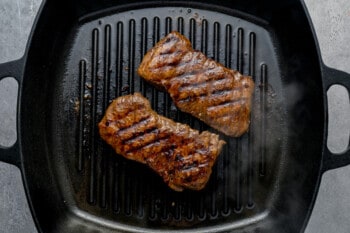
<point>227,116</point>
<point>162,144</point>
<point>129,111</point>
<point>225,104</point>
<point>183,77</point>
<point>207,83</point>
<point>141,136</point>
<point>171,40</point>
<point>140,121</point>
<point>227,90</point>
<point>139,142</point>
<point>185,61</point>
<point>215,96</point>
<point>144,115</point>
<point>190,99</point>
<point>168,60</point>
<point>167,148</point>
<point>192,169</point>
<point>166,52</point>
<point>192,56</point>
<point>197,77</point>
<point>157,147</point>
<point>169,53</point>
<point>205,88</point>
<point>133,131</point>
<point>164,149</point>
<point>219,99</point>
<point>148,140</point>
<point>189,160</point>
<point>191,150</point>
<point>185,71</point>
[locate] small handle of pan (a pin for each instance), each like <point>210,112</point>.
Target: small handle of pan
<point>15,70</point>
<point>12,69</point>
<point>330,77</point>
<point>11,155</point>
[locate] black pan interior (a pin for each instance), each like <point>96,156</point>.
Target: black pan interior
<point>84,54</point>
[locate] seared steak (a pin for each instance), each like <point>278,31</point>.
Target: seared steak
<point>182,156</point>
<point>198,85</point>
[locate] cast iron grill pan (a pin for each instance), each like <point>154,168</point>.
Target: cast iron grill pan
<point>104,53</point>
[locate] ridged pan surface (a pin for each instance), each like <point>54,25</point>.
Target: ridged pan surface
<point>104,52</point>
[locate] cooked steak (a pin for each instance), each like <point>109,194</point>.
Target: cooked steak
<point>182,156</point>
<point>198,85</point>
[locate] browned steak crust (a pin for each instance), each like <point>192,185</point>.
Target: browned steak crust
<point>198,85</point>
<point>182,156</point>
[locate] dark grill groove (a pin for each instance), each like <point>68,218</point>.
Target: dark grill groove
<point>119,59</point>
<point>167,101</point>
<point>93,129</point>
<point>81,134</point>
<point>228,45</point>
<point>131,65</point>
<point>250,168</point>
<point>144,32</point>
<point>107,66</point>
<point>216,173</point>
<point>226,210</point>
<point>192,33</point>
<point>180,28</point>
<point>240,50</point>
<point>237,156</point>
<point>263,103</point>
<point>226,181</point>
<point>180,25</point>
<point>156,37</point>
<point>204,37</point>
<point>106,152</point>
<point>115,187</point>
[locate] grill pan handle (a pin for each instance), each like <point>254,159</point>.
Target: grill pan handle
<point>330,77</point>
<point>12,69</point>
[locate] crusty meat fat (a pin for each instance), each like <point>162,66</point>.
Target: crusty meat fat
<point>182,156</point>
<point>198,85</point>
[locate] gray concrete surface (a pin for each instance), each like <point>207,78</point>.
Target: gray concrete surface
<point>331,19</point>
